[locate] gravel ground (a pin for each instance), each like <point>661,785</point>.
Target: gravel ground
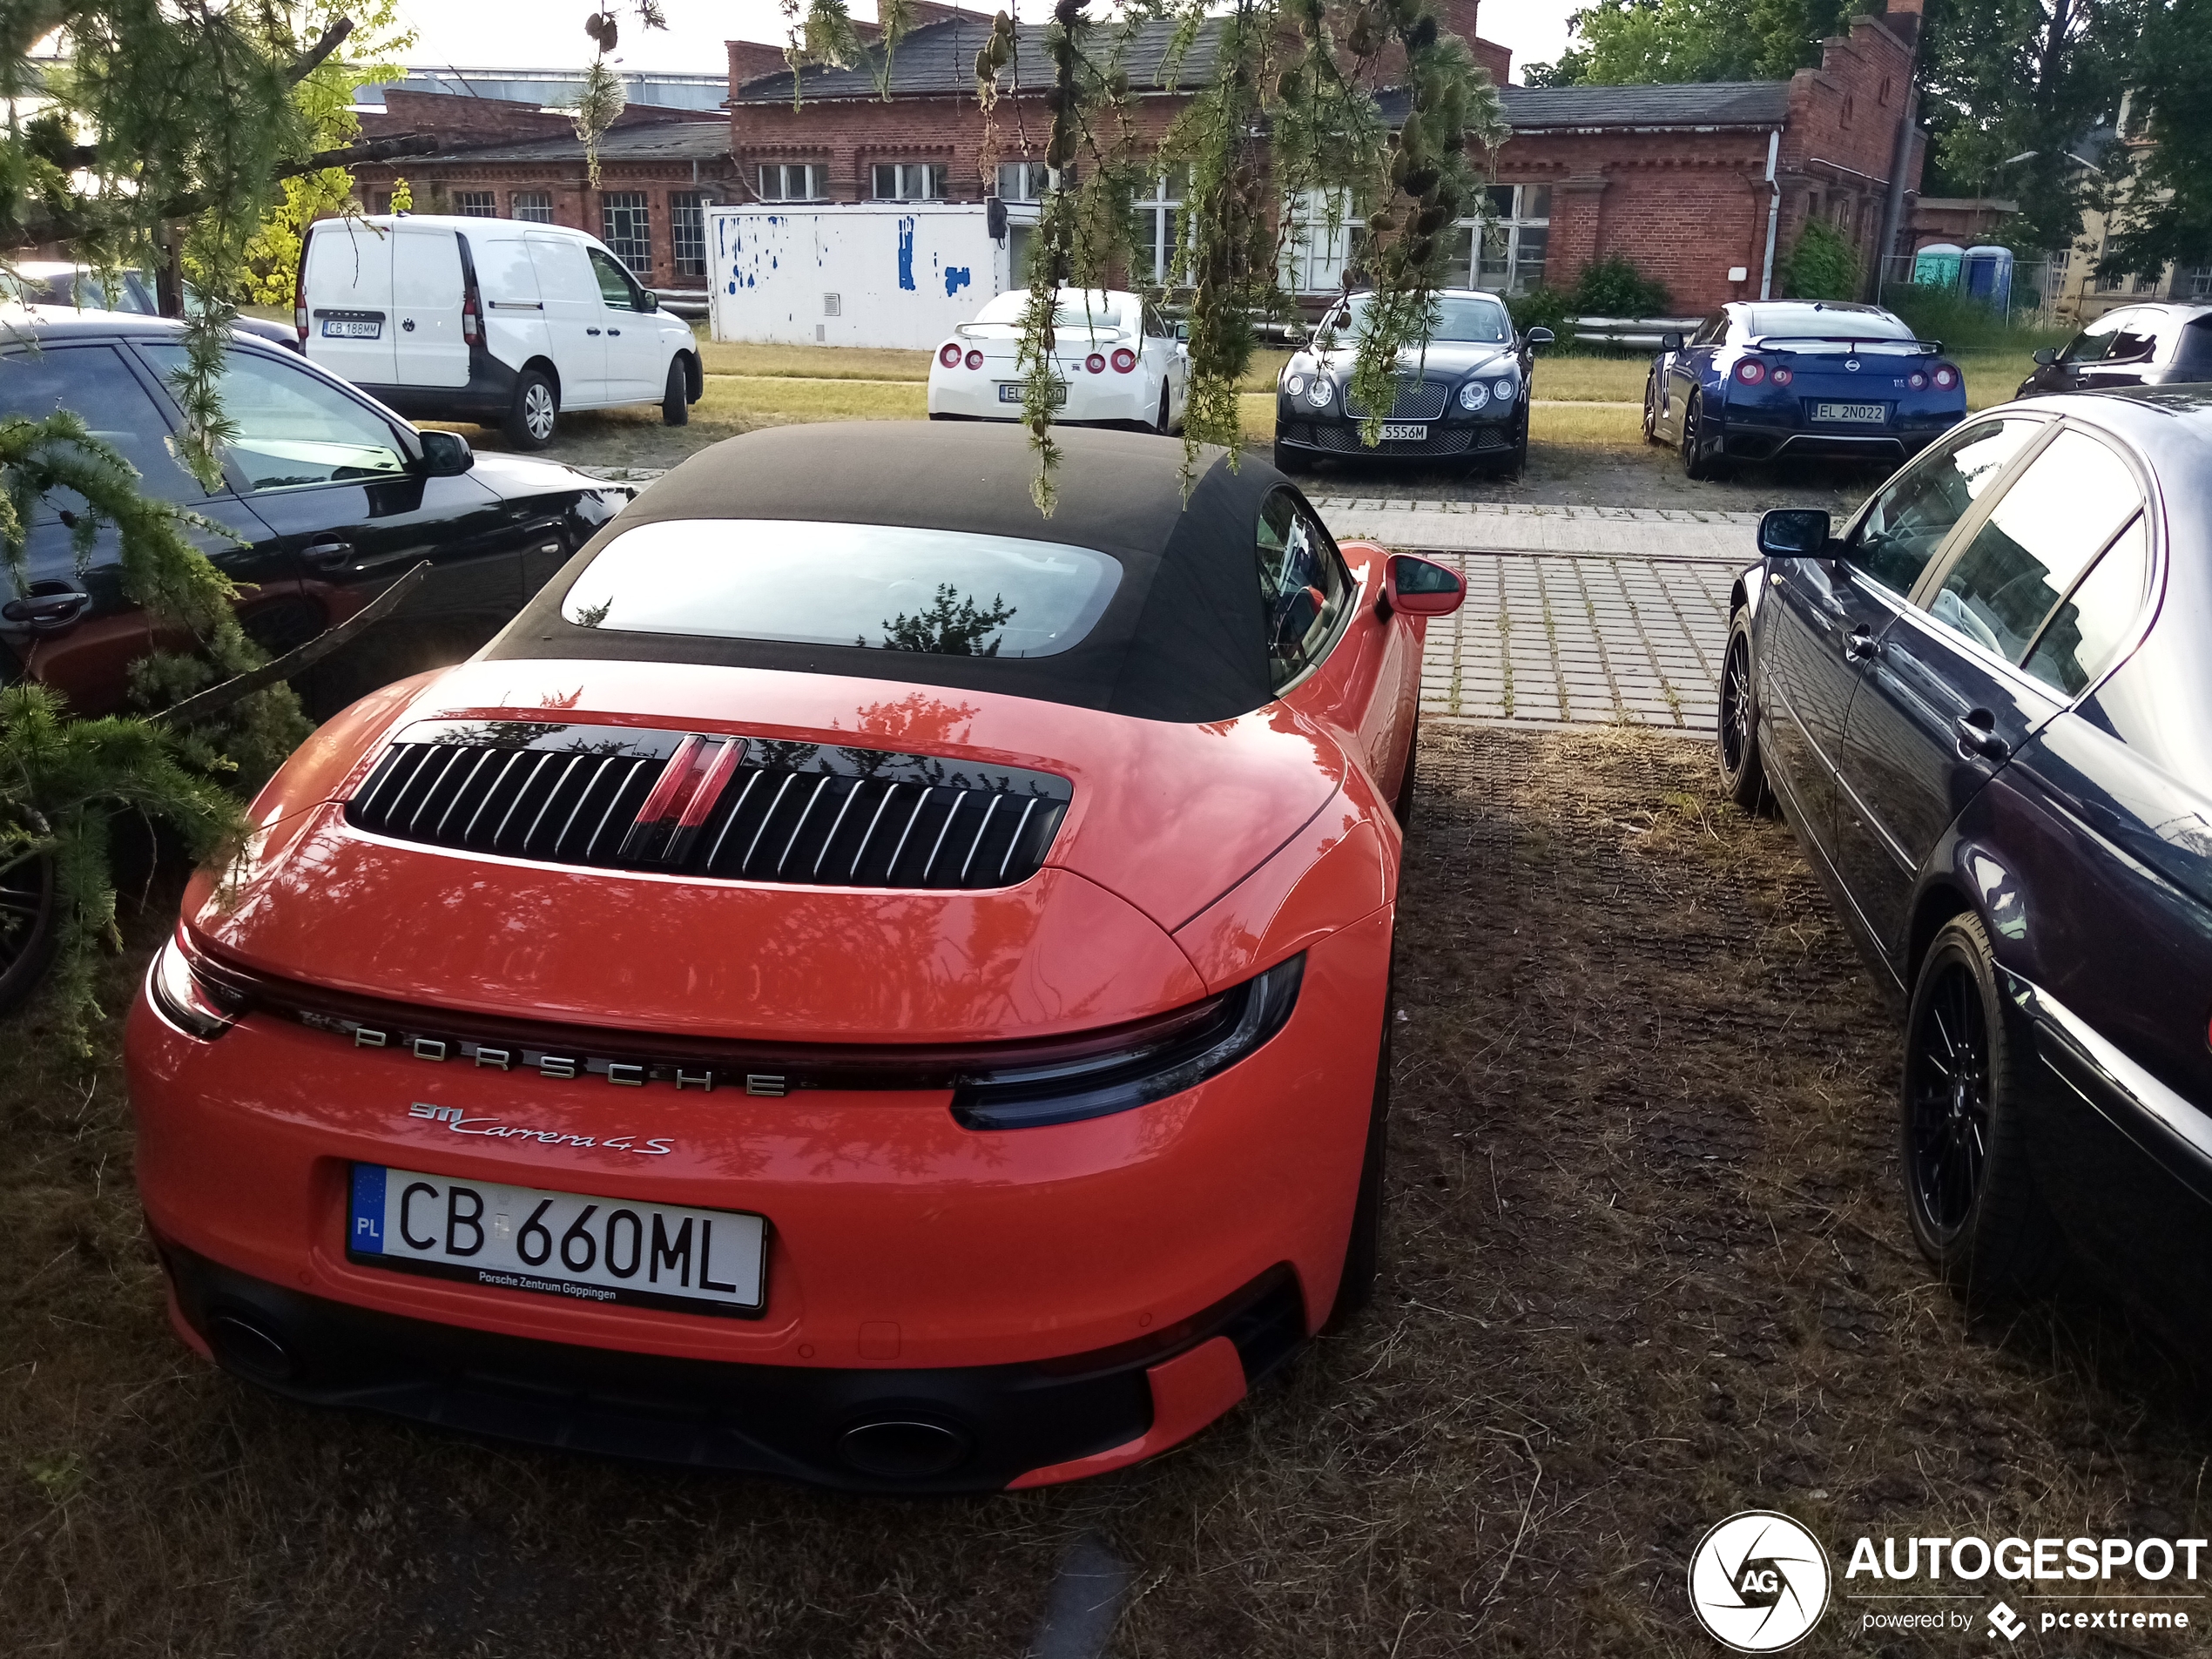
<point>1646,1267</point>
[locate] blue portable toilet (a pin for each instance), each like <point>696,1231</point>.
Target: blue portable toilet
<point>1989,276</point>
<point>1936,265</point>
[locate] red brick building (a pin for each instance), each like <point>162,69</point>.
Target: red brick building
<point>1700,186</point>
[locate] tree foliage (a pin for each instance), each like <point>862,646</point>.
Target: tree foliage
<point>1635,42</point>
<point>1614,287</point>
<point>1822,265</point>
<point>2165,213</point>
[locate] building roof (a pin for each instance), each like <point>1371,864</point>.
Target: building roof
<point>938,60</point>
<point>659,141</point>
<point>543,86</point>
<point>1688,104</point>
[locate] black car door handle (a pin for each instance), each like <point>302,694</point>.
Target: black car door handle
<point>1978,736</point>
<point>327,550</point>
<point>614,331</point>
<point>1862,646</point>
<point>57,606</point>
<point>592,331</point>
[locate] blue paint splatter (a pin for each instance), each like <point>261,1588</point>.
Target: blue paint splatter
<point>907,254</point>
<point>955,280</point>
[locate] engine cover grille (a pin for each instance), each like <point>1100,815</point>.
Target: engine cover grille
<point>1415,400</point>
<point>751,809</point>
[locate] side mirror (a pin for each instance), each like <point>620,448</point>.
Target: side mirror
<point>1793,532</point>
<point>2047,355</point>
<point>1419,587</point>
<point>1183,329</point>
<point>1536,337</point>
<point>446,455</point>
<point>649,301</point>
<point>1671,340</point>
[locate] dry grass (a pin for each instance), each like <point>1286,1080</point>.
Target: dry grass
<point>1645,1268</point>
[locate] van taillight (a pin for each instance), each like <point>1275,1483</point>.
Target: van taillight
<point>300,290</point>
<point>472,325</point>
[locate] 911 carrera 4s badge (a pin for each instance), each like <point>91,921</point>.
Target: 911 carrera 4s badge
<point>586,1248</point>
<point>499,1130</point>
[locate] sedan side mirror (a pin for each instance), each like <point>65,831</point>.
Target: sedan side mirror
<point>1793,532</point>
<point>446,455</point>
<point>1419,587</point>
<point>1536,337</point>
<point>2047,355</point>
<point>1671,340</point>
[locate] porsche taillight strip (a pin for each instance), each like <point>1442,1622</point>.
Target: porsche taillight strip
<point>730,807</point>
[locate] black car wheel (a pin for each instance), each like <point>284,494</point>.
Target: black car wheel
<point>1697,465</point>
<point>675,403</point>
<point>1651,409</point>
<point>1970,1090</point>
<point>1161,425</point>
<point>1363,1250</point>
<point>534,415</point>
<point>1288,459</point>
<point>1401,807</point>
<point>30,918</point>
<point>1742,770</point>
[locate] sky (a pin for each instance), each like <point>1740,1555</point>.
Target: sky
<point>544,34</point>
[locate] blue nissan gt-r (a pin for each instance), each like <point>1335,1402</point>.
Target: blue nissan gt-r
<point>1800,377</point>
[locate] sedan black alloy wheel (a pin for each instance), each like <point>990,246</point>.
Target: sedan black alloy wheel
<point>28,905</point>
<point>1947,1086</point>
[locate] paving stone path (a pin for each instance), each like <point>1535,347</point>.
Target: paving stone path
<point>1575,615</point>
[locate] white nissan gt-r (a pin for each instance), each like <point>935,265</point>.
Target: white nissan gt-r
<point>1115,359</point>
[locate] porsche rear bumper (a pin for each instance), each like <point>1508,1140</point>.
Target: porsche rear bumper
<point>956,1429</point>
<point>902,1245</point>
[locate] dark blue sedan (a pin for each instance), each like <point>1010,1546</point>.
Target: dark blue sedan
<point>1986,706</point>
<point>1800,378</point>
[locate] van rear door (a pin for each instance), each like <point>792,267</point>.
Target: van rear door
<point>348,290</point>
<point>575,322</point>
<point>427,291</point>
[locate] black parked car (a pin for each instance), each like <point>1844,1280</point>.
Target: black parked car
<point>332,495</point>
<point>1464,398</point>
<point>2142,344</point>
<point>1986,706</point>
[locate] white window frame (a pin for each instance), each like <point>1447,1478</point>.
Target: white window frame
<point>1510,236</point>
<point>2197,279</point>
<point>476,204</point>
<point>636,252</point>
<point>687,232</point>
<point>908,181</point>
<point>1025,181</point>
<point>532,206</point>
<point>1156,236</point>
<point>1315,249</point>
<point>775,179</point>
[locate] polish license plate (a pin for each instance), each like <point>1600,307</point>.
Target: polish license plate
<point>1864,412</point>
<point>351,328</point>
<point>557,1244</point>
<point>1011,391</point>
<point>1400,432</point>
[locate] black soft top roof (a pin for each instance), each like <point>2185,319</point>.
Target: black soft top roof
<point>1183,638</point>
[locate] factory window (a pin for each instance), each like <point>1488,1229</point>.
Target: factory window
<point>687,232</point>
<point>793,181</point>
<point>909,181</point>
<point>626,228</point>
<point>1505,252</point>
<point>1024,181</point>
<point>1158,232</point>
<point>475,204</point>
<point>535,205</point>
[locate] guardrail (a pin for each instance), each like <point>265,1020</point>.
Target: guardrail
<point>687,303</point>
<point>1642,333</point>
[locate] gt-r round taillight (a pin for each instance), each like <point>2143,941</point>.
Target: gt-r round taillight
<point>1750,371</point>
<point>950,355</point>
<point>976,360</point>
<point>1124,360</point>
<point>1917,380</point>
<point>1095,363</point>
<point>1946,377</point>
<point>1782,376</point>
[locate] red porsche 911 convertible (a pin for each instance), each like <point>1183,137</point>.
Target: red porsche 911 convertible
<point>859,981</point>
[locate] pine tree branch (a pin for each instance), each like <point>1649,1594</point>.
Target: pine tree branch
<point>65,227</point>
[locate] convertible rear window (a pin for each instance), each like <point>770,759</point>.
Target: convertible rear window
<point>885,587</point>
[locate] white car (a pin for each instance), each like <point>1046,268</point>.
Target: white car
<point>490,320</point>
<point>1115,357</point>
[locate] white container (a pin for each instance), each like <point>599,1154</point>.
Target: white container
<point>896,274</point>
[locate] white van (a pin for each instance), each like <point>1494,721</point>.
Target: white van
<point>495,320</point>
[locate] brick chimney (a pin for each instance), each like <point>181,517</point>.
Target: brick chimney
<point>1903,19</point>
<point>751,61</point>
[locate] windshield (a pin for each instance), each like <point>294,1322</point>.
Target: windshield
<point>1075,309</point>
<point>888,587</point>
<point>1465,318</point>
<point>82,288</point>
